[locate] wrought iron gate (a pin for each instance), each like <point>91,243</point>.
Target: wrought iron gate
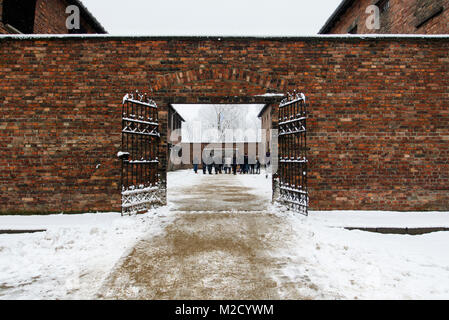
<point>293,153</point>
<point>140,141</point>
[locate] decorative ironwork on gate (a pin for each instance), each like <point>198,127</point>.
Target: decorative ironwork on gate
<point>293,161</point>
<point>140,140</point>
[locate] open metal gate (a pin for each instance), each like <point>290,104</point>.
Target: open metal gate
<point>139,155</point>
<point>293,161</point>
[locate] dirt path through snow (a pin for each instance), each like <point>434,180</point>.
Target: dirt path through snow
<point>218,247</point>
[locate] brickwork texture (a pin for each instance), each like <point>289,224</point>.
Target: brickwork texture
<point>378,127</point>
<point>402,17</point>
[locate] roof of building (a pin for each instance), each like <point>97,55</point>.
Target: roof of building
<point>176,111</point>
<point>262,111</point>
<point>341,9</point>
<point>86,14</point>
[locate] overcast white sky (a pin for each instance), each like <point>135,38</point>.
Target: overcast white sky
<point>212,17</point>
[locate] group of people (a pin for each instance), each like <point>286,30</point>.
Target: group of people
<point>230,165</point>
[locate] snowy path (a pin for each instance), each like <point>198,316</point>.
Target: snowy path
<point>219,245</point>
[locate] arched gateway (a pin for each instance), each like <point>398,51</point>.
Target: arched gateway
<point>144,154</point>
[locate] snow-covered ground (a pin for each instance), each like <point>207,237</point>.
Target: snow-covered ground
<point>345,264</point>
<point>72,258</point>
<point>324,261</point>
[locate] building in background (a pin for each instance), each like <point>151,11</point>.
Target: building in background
<point>221,150</point>
<point>174,135</point>
<point>395,17</point>
<point>44,17</point>
<point>265,117</point>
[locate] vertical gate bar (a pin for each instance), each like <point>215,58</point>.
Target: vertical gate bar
<point>122,160</point>
<point>138,142</point>
<point>134,146</point>
<point>142,153</point>
<point>297,153</point>
<point>304,181</point>
<point>139,146</point>
<point>295,157</point>
<point>127,149</point>
<point>297,137</point>
<point>131,146</point>
<point>145,118</point>
<point>149,151</point>
<point>138,136</point>
<point>290,146</point>
<point>149,165</point>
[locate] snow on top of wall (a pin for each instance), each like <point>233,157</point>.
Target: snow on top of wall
<point>224,37</point>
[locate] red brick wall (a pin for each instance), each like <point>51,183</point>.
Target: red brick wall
<point>401,18</point>
<point>379,119</point>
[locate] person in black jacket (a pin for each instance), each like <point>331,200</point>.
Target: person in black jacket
<point>234,165</point>
<point>252,165</point>
<point>216,167</point>
<point>209,168</point>
<point>245,164</point>
<point>195,165</point>
<point>204,166</point>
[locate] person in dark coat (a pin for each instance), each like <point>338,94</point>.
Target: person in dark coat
<point>252,165</point>
<point>195,165</point>
<point>234,165</point>
<point>257,166</point>
<point>216,167</point>
<point>204,167</point>
<point>245,164</point>
<point>209,167</point>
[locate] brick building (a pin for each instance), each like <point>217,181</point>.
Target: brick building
<point>221,150</point>
<point>396,17</point>
<point>174,123</point>
<point>266,121</point>
<point>44,17</point>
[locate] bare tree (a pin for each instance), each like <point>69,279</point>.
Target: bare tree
<point>215,121</point>
<point>223,118</point>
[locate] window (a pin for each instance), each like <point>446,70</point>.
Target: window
<point>383,5</point>
<point>353,30</point>
<point>19,14</point>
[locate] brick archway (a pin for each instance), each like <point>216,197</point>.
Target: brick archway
<point>211,86</point>
<point>263,81</point>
